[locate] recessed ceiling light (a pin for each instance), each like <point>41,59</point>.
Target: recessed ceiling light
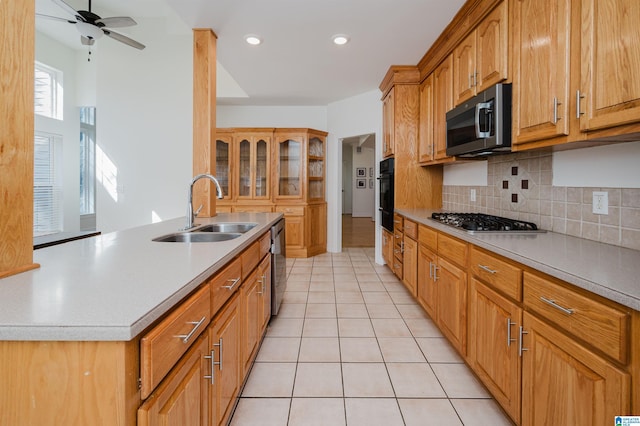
<point>340,39</point>
<point>252,39</point>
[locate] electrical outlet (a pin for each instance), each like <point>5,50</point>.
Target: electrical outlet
<point>600,202</point>
<point>473,195</point>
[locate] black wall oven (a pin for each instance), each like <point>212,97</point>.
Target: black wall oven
<point>386,193</point>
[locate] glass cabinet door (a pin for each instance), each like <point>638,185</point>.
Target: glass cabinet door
<point>290,177</point>
<point>316,168</point>
<point>262,169</point>
<point>244,187</point>
<point>223,160</point>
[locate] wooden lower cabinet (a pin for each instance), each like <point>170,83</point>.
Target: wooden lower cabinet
<point>451,282</point>
<point>226,368</point>
<point>183,398</point>
<point>564,383</point>
<point>493,344</point>
<point>387,247</point>
<point>250,305</point>
<point>305,229</point>
<point>426,285</point>
<point>410,265</point>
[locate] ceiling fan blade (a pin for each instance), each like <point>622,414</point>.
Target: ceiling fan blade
<point>71,11</point>
<point>124,39</point>
<point>55,18</point>
<point>87,41</point>
<point>117,22</point>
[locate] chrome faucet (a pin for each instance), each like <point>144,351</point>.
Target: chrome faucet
<point>190,214</point>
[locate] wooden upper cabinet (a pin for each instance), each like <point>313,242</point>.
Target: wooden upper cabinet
<point>253,151</point>
<point>223,161</point>
<point>388,120</point>
<point>541,56</point>
<point>480,61</point>
<point>442,102</point>
<point>610,63</point>
<point>289,157</point>
<point>425,130</point>
<point>316,167</point>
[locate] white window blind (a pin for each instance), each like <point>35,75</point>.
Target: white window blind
<point>48,91</point>
<point>87,160</point>
<point>47,185</point>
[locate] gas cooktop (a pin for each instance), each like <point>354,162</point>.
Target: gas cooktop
<point>478,222</point>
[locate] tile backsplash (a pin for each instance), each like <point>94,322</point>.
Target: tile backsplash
<point>519,186</point>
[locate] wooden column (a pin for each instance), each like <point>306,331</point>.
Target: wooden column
<point>204,117</point>
<point>17,52</point>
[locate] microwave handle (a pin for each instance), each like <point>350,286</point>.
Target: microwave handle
<point>479,107</point>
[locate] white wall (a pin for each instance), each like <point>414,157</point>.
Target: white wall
<point>144,130</point>
<point>314,117</point>
<point>358,115</point>
<point>62,58</point>
<point>363,198</point>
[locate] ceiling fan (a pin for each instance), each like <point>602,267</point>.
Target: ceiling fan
<point>91,26</point>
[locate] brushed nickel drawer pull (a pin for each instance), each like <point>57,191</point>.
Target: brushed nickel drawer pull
<point>219,363</point>
<point>213,363</point>
<point>234,281</point>
<point>185,337</point>
<point>521,348</point>
<point>509,338</point>
<point>486,268</point>
<point>435,272</point>
<point>555,305</point>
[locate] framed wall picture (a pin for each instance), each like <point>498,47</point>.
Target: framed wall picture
<point>370,171</point>
<point>361,183</point>
<point>361,172</point>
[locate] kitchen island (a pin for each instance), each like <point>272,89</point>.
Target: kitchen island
<point>71,331</point>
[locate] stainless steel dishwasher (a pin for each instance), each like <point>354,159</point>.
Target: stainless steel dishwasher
<point>278,266</point>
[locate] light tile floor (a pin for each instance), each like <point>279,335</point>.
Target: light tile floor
<point>351,347</point>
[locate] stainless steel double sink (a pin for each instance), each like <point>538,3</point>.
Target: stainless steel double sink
<point>210,233</point>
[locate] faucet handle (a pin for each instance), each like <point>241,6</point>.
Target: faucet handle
<point>197,211</point>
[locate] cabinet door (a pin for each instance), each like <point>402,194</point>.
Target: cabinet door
<point>316,168</point>
<point>387,247</point>
<point>426,285</point>
<point>442,102</point>
<point>388,120</point>
<point>610,63</point>
<point>289,157</point>
<point>492,49</point>
<point>264,290</point>
<point>223,160</point>
<point>452,303</point>
<point>541,56</point>
<point>224,341</point>
<point>183,397</point>
<point>294,232</point>
<point>254,171</point>
<point>244,169</point>
<point>493,345</point>
<point>425,130</point>
<point>251,303</point>
<point>410,265</point>
<point>317,228</point>
<point>565,384</point>
<point>464,69</point>
<point>261,170</point>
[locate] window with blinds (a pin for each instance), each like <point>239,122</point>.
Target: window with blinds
<point>47,185</point>
<point>48,91</point>
<point>87,161</point>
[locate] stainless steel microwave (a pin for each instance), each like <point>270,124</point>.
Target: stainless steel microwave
<point>482,125</point>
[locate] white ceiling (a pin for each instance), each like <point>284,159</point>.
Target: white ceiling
<point>297,64</point>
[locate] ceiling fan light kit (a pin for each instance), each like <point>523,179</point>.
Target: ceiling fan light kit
<point>91,26</point>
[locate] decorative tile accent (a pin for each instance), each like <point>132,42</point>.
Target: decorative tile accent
<point>519,186</point>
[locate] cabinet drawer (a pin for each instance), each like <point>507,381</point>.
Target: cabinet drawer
<point>397,267</point>
<point>163,346</point>
<point>595,322</point>
<point>398,222</point>
<point>410,229</point>
<point>503,276</point>
<point>225,283</point>
<point>428,237</point>
<point>250,258</point>
<point>290,210</point>
<point>453,249</point>
<point>265,244</point>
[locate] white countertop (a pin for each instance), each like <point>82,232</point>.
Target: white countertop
<point>113,286</point>
<point>607,270</point>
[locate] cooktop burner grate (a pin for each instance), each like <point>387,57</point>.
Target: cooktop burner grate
<point>478,222</point>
